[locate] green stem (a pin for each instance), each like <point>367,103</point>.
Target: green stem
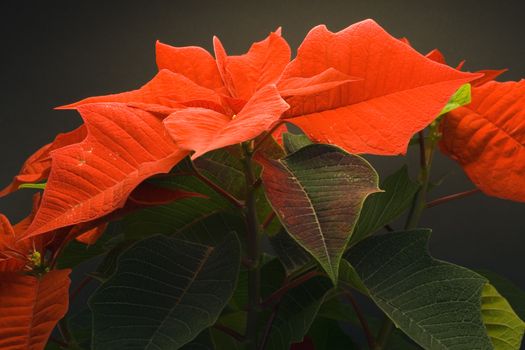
<point>420,203</point>
<point>253,250</point>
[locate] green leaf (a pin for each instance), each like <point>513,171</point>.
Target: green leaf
<point>328,335</point>
<point>350,277</point>
<point>511,292</point>
<point>317,193</point>
<point>504,327</point>
<point>164,293</point>
<point>294,142</point>
<point>38,186</point>
<point>170,219</point>
<point>292,255</point>
<point>76,253</point>
<point>460,98</point>
<point>382,208</point>
<point>202,342</point>
<point>296,313</point>
<point>435,303</point>
<point>223,169</point>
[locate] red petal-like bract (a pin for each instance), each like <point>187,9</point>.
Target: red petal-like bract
<point>193,62</point>
<point>36,168</point>
<point>203,130</point>
<point>124,146</point>
<point>262,65</point>
<point>91,237</point>
<point>487,138</point>
<point>166,88</point>
<point>30,307</point>
<point>400,94</point>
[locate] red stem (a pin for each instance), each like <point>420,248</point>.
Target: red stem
<point>364,324</point>
<point>451,197</point>
<point>279,293</point>
<point>81,286</point>
<point>232,333</point>
<point>216,188</point>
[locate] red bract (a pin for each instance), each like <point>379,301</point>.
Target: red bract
<point>487,138</point>
<point>400,94</point>
<point>30,307</point>
<point>37,167</point>
<point>90,179</point>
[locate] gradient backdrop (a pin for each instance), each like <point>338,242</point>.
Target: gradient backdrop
<point>56,52</point>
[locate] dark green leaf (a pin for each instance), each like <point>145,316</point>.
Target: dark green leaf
<point>76,253</point>
<point>317,193</point>
<point>296,313</point>
<point>382,208</point>
<point>164,293</point>
<point>292,255</point>
<point>294,142</point>
<point>328,335</point>
<point>437,304</point>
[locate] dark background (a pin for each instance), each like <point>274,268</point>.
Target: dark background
<point>56,52</point>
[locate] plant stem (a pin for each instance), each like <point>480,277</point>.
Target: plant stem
<point>364,324</point>
<point>253,249</point>
<point>420,203</point>
<point>277,295</point>
<point>81,286</point>
<point>69,340</point>
<point>426,158</point>
<point>215,187</point>
<point>451,197</point>
<point>384,334</point>
<point>232,333</point>
<point>269,325</point>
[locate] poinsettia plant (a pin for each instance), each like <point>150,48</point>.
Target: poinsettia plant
<point>227,206</point>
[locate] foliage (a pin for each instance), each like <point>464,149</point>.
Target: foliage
<point>210,226</point>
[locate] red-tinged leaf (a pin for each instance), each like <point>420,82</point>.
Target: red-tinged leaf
<point>193,62</point>
<point>88,180</point>
<point>166,88</point>
<point>30,307</point>
<point>400,94</point>
<point>262,65</point>
<point>317,193</point>
<point>91,237</point>
<point>203,130</point>
<point>36,168</point>
<point>487,138</point>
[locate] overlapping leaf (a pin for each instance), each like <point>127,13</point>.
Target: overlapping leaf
<point>437,304</point>
<point>203,130</point>
<point>296,313</point>
<point>92,178</point>
<point>30,307</point>
<point>164,293</point>
<point>400,94</point>
<point>504,327</point>
<point>36,168</point>
<point>382,208</point>
<point>487,138</point>
<point>317,193</point>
